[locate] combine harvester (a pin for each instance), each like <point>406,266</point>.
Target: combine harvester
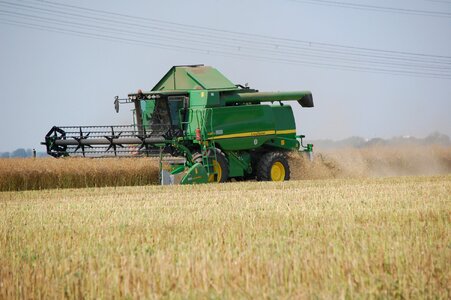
<point>213,129</point>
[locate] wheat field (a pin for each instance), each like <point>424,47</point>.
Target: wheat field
<point>46,173</point>
<point>17,174</point>
<point>340,238</point>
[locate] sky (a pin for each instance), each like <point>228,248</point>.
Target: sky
<point>375,68</point>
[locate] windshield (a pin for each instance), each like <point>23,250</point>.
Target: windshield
<point>175,104</point>
<point>164,114</point>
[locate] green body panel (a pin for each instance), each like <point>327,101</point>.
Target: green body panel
<point>196,174</point>
<point>239,163</point>
<point>204,98</point>
<point>177,169</point>
<point>284,142</point>
<point>235,120</point>
<point>284,119</point>
<point>186,78</point>
<point>245,127</point>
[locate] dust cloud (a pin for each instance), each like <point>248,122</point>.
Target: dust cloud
<point>377,161</point>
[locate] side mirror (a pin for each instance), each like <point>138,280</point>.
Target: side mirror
<point>116,103</point>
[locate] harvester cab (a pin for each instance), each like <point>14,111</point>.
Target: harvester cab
<point>203,128</point>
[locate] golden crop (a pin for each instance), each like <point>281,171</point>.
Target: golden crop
<point>342,238</point>
<point>44,173</point>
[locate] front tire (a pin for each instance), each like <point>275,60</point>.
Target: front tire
<point>273,166</point>
<point>220,166</point>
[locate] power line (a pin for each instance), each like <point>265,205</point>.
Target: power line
<point>202,50</point>
<point>114,21</point>
<point>274,40</point>
<point>306,49</point>
<point>384,66</point>
<point>221,53</point>
<point>223,45</point>
<point>376,8</point>
<point>439,1</point>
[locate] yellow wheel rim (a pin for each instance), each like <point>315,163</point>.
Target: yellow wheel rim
<point>218,170</point>
<point>277,171</point>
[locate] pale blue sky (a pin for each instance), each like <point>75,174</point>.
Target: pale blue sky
<point>49,78</point>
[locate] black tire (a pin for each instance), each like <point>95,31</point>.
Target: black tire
<point>270,160</point>
<point>222,162</point>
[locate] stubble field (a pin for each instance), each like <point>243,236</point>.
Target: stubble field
<point>325,238</point>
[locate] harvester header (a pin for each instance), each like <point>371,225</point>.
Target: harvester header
<point>219,130</point>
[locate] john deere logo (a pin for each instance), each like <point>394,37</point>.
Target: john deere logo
<point>255,141</point>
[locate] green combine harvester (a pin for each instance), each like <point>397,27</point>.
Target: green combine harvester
<point>204,127</point>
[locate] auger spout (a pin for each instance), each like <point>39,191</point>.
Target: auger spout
<point>304,98</point>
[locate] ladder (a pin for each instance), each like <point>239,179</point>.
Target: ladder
<point>208,147</point>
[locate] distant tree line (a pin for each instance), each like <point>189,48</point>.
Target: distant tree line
<point>435,138</point>
<point>21,152</point>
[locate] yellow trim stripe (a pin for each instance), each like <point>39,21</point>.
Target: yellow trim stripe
<point>244,134</point>
<point>286,131</point>
<point>252,134</point>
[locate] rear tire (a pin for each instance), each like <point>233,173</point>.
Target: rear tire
<point>273,166</point>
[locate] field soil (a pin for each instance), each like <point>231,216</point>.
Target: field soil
<point>343,238</point>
